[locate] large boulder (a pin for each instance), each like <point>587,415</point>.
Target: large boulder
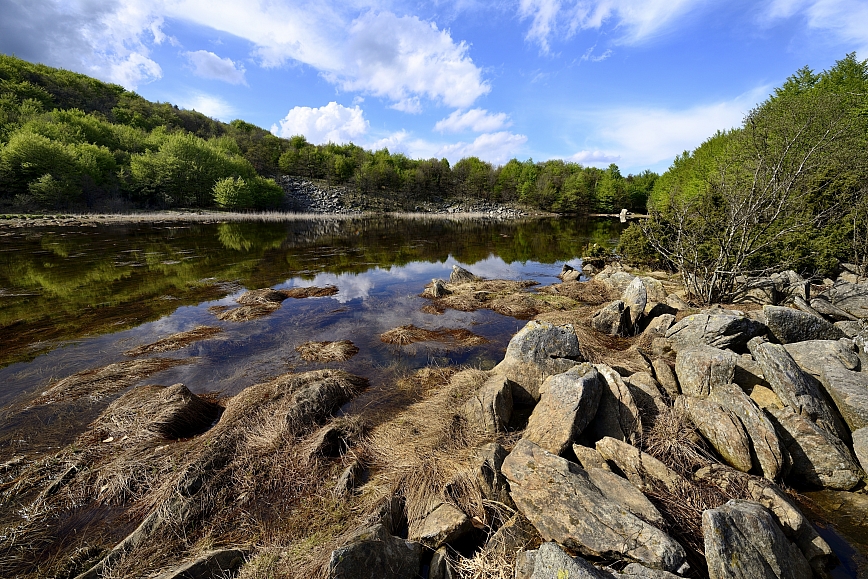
<point>216,563</point>
<point>375,554</point>
<point>849,392</point>
<point>551,562</point>
<point>770,457</point>
<point>850,297</point>
<point>641,469</point>
<point>724,331</point>
<point>721,428</point>
<point>487,473</point>
<point>818,458</point>
<point>623,492</point>
<point>568,402</point>
<point>743,540</point>
<point>613,319</point>
<point>701,368</point>
<point>824,307</point>
<point>860,447</point>
<point>491,408</point>
<point>558,497</point>
<point>444,524</point>
<point>666,377</point>
<point>796,389</point>
<point>646,392</point>
<point>813,355</point>
<point>460,275</point>
<point>617,413</point>
<point>789,325</point>
<point>537,351</point>
<point>635,298</point>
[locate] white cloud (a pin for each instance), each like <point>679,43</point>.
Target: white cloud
<point>845,19</point>
<point>636,20</point>
<point>332,122</point>
<point>209,105</point>
<point>493,147</point>
<point>596,158</point>
<point>135,69</point>
<point>478,120</point>
<point>209,65</point>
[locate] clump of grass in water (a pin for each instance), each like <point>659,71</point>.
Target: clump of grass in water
<point>175,341</point>
<point>410,334</point>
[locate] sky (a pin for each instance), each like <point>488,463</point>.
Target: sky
<point>631,82</point>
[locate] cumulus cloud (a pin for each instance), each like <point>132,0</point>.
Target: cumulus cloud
<point>493,147</point>
<point>208,65</point>
<point>844,19</point>
<point>478,120</point>
<point>595,158</point>
<point>209,105</point>
<point>330,123</point>
<point>636,20</point>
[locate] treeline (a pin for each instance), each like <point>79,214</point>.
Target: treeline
<point>68,141</point>
<point>786,190</point>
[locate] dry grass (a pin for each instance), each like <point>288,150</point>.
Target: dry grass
<point>410,334</point>
<point>507,297</point>
<point>310,292</point>
<point>261,296</point>
<point>339,351</point>
<point>485,564</point>
<point>673,440</point>
<point>585,292</point>
<point>175,341</point>
<point>101,382</point>
<point>247,313</point>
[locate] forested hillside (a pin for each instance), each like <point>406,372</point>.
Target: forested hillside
<point>786,190</point>
<point>71,142</point>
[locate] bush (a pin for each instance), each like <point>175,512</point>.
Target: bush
<point>232,193</point>
<point>633,247</point>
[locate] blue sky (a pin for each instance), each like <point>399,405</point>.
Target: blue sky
<point>634,82</point>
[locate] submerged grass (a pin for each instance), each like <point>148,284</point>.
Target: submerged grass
<point>339,351</point>
<point>175,341</point>
<point>410,334</point>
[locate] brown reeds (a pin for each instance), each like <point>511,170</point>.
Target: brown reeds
<point>339,351</point>
<point>410,334</point>
<point>175,341</point>
<point>261,296</point>
<point>310,292</point>
<point>248,312</point>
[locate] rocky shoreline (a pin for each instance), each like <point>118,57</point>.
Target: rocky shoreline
<point>624,433</point>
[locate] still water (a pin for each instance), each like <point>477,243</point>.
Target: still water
<point>74,299</point>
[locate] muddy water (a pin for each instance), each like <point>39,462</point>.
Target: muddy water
<point>73,299</point>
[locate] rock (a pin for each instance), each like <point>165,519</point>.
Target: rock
<point>437,289</point>
<point>851,329</point>
<point>765,397</point>
<point>460,275</point>
<point>724,331</point>
<point>850,297</point>
<point>849,392</point>
<point>637,571</point>
<point>721,428</point>
<point>860,447</point>
<point>524,561</point>
<point>536,352</point>
<point>769,455</point>
<point>551,562</point>
<point>646,393</point>
<point>621,491</point>
<point>613,319</point>
<point>825,308</point>
<point>789,325</point>
<point>569,273</point>
<point>748,373</point>
<point>217,563</point>
<point>655,290</point>
<point>349,479</point>
<point>617,281</point>
<point>701,368</point>
<point>617,413</point>
<point>491,408</point>
<point>443,525</point>
<point>515,535</point>
<point>804,306</point>
<point>440,567</point>
<point>818,458</point>
<point>641,469</point>
<point>674,301</point>
<point>658,326</point>
<point>635,298</point>
<point>666,377</point>
<point>813,355</point>
<point>742,540</point>
<point>488,476</point>
<point>558,497</point>
<point>375,554</point>
<point>795,388</point>
<point>568,402</point>
<point>589,457</point>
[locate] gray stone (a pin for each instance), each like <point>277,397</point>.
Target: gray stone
<point>743,540</point>
<point>375,554</point>
<point>721,428</point>
<point>437,289</point>
<point>635,298</point>
<point>558,497</point>
<point>851,329</point>
<point>613,319</point>
<point>860,447</point>
<point>768,455</point>
<point>348,479</point>
<point>813,355</point>
<point>460,275</point>
<point>441,567</point>
<point>515,535</point>
<point>488,476</point>
<point>804,306</point>
<point>701,368</point>
<point>666,377</point>
<point>568,402</point>
<point>638,571</point>
<point>748,373</point>
<point>617,413</point>
<point>818,458</point>
<point>589,457</point>
<point>621,491</point>
<point>551,562</point>
<point>643,470</point>
<point>658,326</point>
<point>850,297</point>
<point>491,408</point>
<point>616,280</point>
<point>537,351</point>
<point>646,392</point>
<point>674,301</point>
<point>569,273</point>
<point>444,524</point>
<point>789,325</point>
<point>217,563</point>
<point>655,290</point>
<point>849,392</point>
<point>824,307</point>
<point>524,561</point>
<point>796,389</point>
<point>718,330</point>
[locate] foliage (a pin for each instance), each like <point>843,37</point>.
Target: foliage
<point>783,191</point>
